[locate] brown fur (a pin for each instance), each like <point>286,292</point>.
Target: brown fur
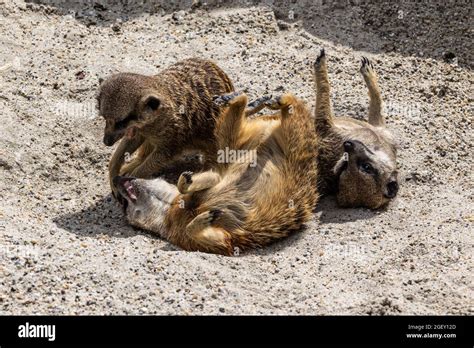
<point>347,146</point>
<point>168,114</point>
<point>236,205</point>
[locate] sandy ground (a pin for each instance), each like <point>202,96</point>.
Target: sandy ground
<point>65,247</point>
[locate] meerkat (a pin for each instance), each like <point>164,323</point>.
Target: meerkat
<point>239,204</point>
<point>357,159</point>
<point>162,116</point>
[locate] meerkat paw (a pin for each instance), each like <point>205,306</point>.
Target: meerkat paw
<point>185,180</point>
<point>366,67</point>
<point>320,60</point>
<point>273,103</point>
<point>204,220</point>
<point>257,105</point>
<point>280,101</point>
<point>190,182</point>
<point>211,216</point>
<point>226,99</point>
<point>259,101</point>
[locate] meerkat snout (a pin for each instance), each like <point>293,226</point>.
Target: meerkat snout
<point>392,189</point>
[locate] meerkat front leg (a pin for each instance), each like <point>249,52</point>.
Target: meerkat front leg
<point>229,125</point>
<point>153,163</point>
<point>143,151</point>
<point>375,98</point>
<point>323,115</point>
<point>190,182</point>
<point>126,146</point>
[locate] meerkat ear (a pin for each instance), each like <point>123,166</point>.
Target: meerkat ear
<point>151,102</point>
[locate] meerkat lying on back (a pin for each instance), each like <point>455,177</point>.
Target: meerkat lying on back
<point>357,160</point>
<point>164,116</point>
<point>239,204</point>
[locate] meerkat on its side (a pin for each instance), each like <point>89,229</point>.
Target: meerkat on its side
<point>239,204</point>
<point>357,159</point>
<point>163,116</point>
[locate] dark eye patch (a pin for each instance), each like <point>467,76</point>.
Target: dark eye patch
<point>123,124</point>
<point>367,168</point>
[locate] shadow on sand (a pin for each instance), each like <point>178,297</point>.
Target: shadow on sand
<point>410,28</point>
<point>102,218</point>
<point>105,217</point>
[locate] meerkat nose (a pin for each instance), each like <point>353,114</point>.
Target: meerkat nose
<point>392,189</point>
<point>109,140</point>
<point>348,146</point>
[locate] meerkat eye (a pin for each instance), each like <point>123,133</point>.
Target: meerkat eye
<point>367,168</point>
<point>122,124</point>
<point>153,103</point>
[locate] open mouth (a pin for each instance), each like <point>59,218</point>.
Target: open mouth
<point>130,190</point>
<point>126,188</point>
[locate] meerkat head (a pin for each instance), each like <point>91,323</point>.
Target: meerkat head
<point>145,201</point>
<point>367,171</point>
<point>127,102</point>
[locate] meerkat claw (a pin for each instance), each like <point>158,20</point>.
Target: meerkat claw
<point>214,215</point>
<point>184,182</point>
<point>366,65</point>
<point>259,101</point>
<point>187,176</point>
<point>273,103</point>
<point>320,57</point>
<point>223,100</point>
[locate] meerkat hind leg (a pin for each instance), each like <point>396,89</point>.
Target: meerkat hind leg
<point>210,237</point>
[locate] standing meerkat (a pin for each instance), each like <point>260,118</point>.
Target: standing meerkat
<point>357,159</point>
<point>163,116</point>
<point>242,203</point>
